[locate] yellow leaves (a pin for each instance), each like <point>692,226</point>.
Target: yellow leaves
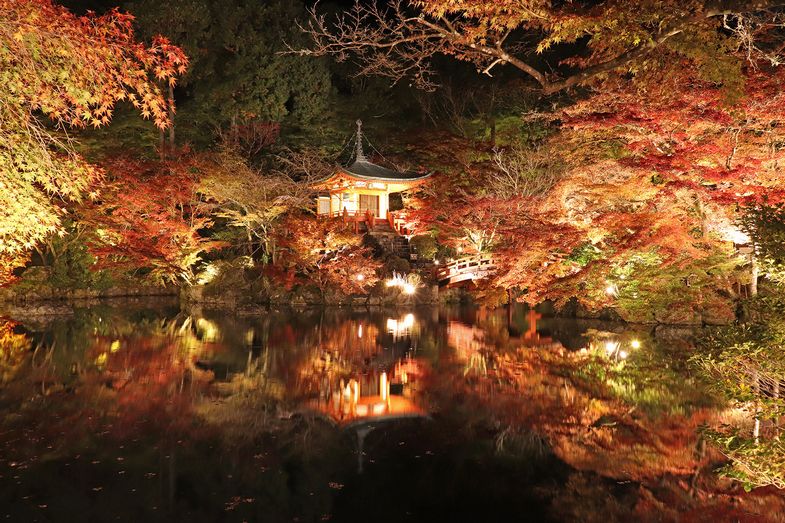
<point>101,360</point>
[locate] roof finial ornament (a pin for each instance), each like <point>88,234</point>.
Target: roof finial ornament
<point>360,155</point>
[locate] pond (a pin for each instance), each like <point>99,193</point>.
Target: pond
<point>140,411</point>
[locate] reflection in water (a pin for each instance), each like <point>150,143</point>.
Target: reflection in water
<point>160,414</point>
<point>370,376</point>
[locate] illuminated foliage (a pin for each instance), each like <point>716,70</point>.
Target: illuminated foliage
<point>744,365</point>
<point>328,254</point>
<point>14,347</point>
<point>249,199</point>
<point>650,39</point>
<point>150,215</point>
<point>71,70</point>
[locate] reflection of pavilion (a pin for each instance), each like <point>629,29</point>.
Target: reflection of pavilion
<point>531,336</point>
<point>469,341</point>
<point>365,377</point>
<point>376,394</point>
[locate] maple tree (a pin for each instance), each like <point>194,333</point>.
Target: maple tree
<point>326,253</point>
<point>71,70</point>
<point>251,200</point>
<point>150,214</point>
<point>648,185</point>
<point>400,39</point>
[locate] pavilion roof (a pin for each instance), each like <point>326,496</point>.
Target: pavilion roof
<point>370,171</point>
<point>362,168</point>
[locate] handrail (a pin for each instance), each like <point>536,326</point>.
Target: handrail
<point>482,263</point>
<point>397,221</point>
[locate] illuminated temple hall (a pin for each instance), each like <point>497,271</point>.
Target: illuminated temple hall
<point>360,192</point>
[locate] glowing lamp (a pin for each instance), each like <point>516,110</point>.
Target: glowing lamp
<point>635,344</point>
<point>360,277</point>
<point>408,288</point>
<point>623,354</point>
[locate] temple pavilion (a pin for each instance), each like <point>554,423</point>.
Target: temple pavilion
<point>360,192</point>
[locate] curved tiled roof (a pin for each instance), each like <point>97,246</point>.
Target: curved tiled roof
<point>364,169</point>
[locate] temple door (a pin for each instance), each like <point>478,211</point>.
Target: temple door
<point>369,202</point>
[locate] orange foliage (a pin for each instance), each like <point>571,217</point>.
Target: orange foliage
<point>327,253</point>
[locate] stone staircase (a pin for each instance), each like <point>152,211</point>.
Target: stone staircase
<point>391,241</point>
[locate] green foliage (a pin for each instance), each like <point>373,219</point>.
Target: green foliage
<point>753,464</point>
<point>765,225</point>
<point>425,246</point>
<point>651,377</point>
<point>394,264</point>
<point>585,254</point>
<point>744,364</point>
<point>238,73</point>
<point>642,285</point>
<point>73,267</point>
<point>68,266</point>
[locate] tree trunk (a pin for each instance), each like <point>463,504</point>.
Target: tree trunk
<point>161,144</point>
<point>171,117</point>
<point>754,277</point>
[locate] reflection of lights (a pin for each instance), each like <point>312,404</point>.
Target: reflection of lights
<point>401,326</point>
<point>100,361</point>
<point>360,331</point>
<point>383,386</point>
<point>635,344</point>
<point>208,329</point>
<point>115,346</point>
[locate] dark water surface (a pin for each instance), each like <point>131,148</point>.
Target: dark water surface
<point>143,412</point>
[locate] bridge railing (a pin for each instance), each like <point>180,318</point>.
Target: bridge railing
<point>478,265</point>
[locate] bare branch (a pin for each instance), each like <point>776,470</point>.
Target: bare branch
<point>396,42</point>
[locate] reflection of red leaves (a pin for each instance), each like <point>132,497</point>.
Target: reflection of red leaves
<point>152,383</point>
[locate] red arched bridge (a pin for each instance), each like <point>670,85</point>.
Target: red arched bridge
<point>469,268</point>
